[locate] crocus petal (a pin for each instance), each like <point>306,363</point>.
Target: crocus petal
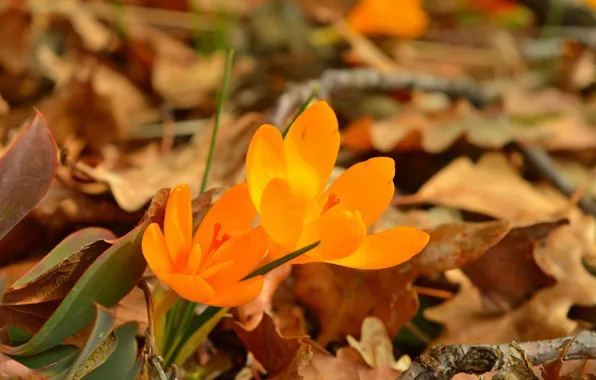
<point>283,213</point>
<point>311,148</point>
<point>216,269</point>
<point>404,18</point>
<point>192,288</point>
<point>238,293</point>
<point>247,251</point>
<point>366,187</point>
<point>178,225</point>
<point>386,249</point>
<point>265,160</point>
<point>233,210</point>
<point>155,251</point>
<point>341,232</point>
<point>194,259</point>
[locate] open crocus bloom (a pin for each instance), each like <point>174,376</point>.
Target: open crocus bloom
<point>287,180</point>
<point>394,18</point>
<point>209,267</point>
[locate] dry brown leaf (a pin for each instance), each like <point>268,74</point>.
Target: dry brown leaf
<point>11,369</point>
<point>187,85</point>
<point>15,34</point>
<point>507,274</point>
<point>127,99</point>
<point>250,314</point>
<point>132,308</point>
<point>374,346</point>
<point>57,282</point>
<point>545,315</point>
<point>77,110</point>
<point>14,271</point>
<point>300,357</point>
<point>527,104</point>
<point>434,132</point>
<point>133,187</point>
<point>554,121</point>
<point>342,297</point>
<point>487,187</point>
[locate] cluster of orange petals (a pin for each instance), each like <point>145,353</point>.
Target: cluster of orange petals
<point>208,268</point>
<point>288,178</point>
<point>287,185</point>
<point>394,18</point>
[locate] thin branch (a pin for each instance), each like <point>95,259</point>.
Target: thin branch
<point>150,346</point>
<point>541,161</point>
<point>369,79</point>
<point>443,362</point>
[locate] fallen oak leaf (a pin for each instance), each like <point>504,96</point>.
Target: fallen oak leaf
<point>374,346</point>
<point>545,315</point>
<point>485,187</point>
<point>342,297</point>
<point>297,357</point>
<point>507,274</point>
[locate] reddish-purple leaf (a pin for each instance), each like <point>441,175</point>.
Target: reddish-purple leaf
<point>27,170</point>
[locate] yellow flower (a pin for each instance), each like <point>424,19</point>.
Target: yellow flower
<point>395,18</point>
<point>209,267</point>
<point>287,180</point>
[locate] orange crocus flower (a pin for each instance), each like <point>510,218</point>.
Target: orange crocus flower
<point>209,267</point>
<point>394,18</point>
<point>287,180</point>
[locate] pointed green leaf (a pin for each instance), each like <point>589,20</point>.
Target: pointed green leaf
<point>136,369</point>
<point>122,361</point>
<point>101,344</point>
<point>64,249</point>
<point>27,170</point>
<point>47,358</point>
<point>111,276</point>
<point>59,369</point>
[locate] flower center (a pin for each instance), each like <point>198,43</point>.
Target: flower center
<point>332,200</point>
<point>217,241</point>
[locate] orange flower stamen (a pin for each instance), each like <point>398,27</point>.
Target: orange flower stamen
<point>217,242</point>
<point>332,200</point>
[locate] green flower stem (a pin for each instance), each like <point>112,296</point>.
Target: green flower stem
<point>220,102</point>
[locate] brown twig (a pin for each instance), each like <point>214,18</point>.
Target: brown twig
<point>150,346</point>
<point>369,79</point>
<point>541,161</point>
<point>443,362</point>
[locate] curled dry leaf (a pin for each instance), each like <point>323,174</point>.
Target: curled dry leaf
<point>545,314</point>
<point>56,282</point>
<point>374,346</point>
<point>78,110</point>
<point>299,357</point>
<point>342,297</point>
<point>507,274</point>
